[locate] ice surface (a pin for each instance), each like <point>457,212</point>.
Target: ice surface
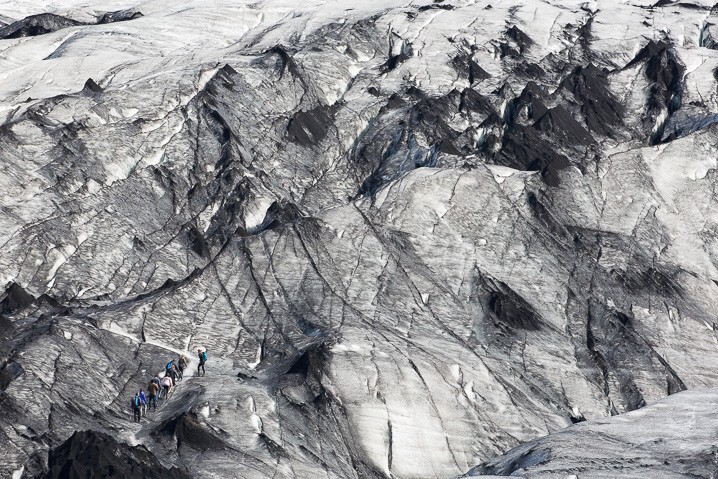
<point>412,236</point>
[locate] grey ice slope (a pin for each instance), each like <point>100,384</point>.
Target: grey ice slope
<point>674,437</point>
<point>413,236</point>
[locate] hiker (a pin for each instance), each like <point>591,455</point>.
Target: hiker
<point>202,355</point>
<point>136,403</point>
<point>181,365</point>
<point>153,389</point>
<point>173,374</point>
<point>143,400</point>
<point>166,385</point>
<point>156,380</point>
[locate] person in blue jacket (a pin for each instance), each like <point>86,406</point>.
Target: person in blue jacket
<point>202,355</point>
<point>136,404</point>
<point>143,401</point>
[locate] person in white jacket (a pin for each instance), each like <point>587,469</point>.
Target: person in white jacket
<point>166,384</point>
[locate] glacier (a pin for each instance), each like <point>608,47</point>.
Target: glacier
<point>418,239</point>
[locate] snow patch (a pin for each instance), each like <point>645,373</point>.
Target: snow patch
<point>254,417</point>
<point>63,254</point>
<point>204,411</point>
<point>342,348</point>
<point>469,391</point>
<point>132,440</point>
<point>440,209</point>
<point>83,291</point>
<point>256,422</point>
<point>501,172</point>
<point>257,360</point>
<point>256,213</point>
<point>93,186</point>
<point>502,109</point>
<point>456,372</point>
<point>660,121</point>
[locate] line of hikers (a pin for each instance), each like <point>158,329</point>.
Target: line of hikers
<point>160,388</point>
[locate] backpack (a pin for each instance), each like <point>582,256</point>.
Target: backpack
<point>169,365</point>
<point>137,401</point>
<point>204,355</point>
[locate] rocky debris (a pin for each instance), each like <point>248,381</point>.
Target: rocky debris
<point>36,25</point>
<point>119,16</point>
<point>95,454</point>
<point>14,299</point>
<point>413,237</point>
<point>44,23</point>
